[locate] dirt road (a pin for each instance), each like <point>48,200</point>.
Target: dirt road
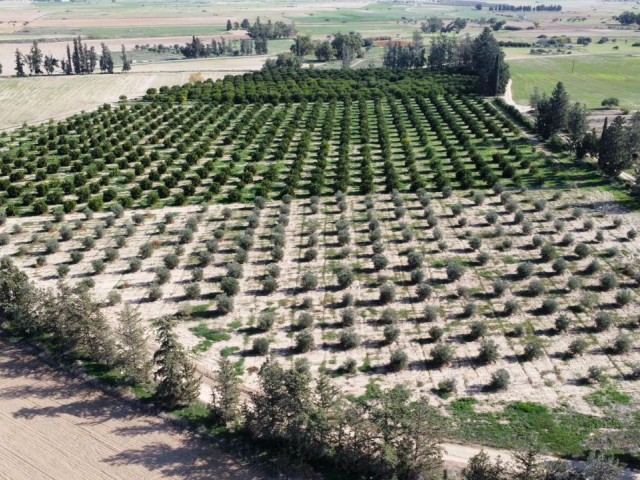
<point>508,98</point>
<point>54,427</point>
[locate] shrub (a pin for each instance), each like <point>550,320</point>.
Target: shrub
<point>304,342</point>
<point>621,344</point>
<point>568,239</point>
<point>417,276</point>
<point>387,293</point>
<point>511,306</point>
<point>532,351</point>
<point>574,283</point>
<point>603,321</point>
<point>389,316</point>
<point>51,246</point>
<point>379,261</point>
<point>349,339</point>
<point>234,270</point>
<point>390,333</point>
<point>398,361</point>
<point>114,298</point>
<point>500,379</point>
<point>110,254</point>
<point>308,281</point>
<point>76,257</point>
<point>491,217</point>
<point>562,323</point>
<point>548,252</point>
<point>442,355</point>
<point>488,352</point>
<point>305,320</point>
<point>415,259</point>
<point>266,320</point>
<point>230,286</point>
<point>430,313</point>
<point>98,266</point>
<point>560,266</point>
<point>608,281</point>
<point>475,243</point>
<point>192,291</point>
<point>518,330</point>
<point>350,366</point>
<point>577,347</point>
<point>348,299</point>
<point>478,198</point>
<point>310,255</point>
<point>185,236</point>
<point>581,250</point>
<point>624,297</point>
<point>595,374</point>
<point>436,333</point>
<point>163,274</point>
<point>469,310</point>
<point>477,330</point>
<point>154,293</point>
<point>483,258</point>
<point>593,267</point>
<point>260,346</point>
<point>344,276</point>
<point>632,233</point>
<point>535,288</point>
<point>423,291</point>
<point>524,270</point>
<point>224,303</point>
<point>455,271</point>
<point>549,306</point>
<point>62,270</point>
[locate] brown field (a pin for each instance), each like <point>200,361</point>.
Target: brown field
<point>53,426</point>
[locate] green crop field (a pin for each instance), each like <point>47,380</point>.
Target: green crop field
<point>588,78</point>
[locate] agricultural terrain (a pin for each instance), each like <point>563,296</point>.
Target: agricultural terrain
<point>387,228</point>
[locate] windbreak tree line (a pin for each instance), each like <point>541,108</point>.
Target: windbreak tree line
<point>75,328</point>
<point>78,60</point>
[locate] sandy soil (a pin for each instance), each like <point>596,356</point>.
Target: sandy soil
<point>53,426</point>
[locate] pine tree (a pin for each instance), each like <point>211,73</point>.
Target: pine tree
<point>480,467</point>
<point>126,63</point>
<point>560,104</point>
<point>178,383</point>
<point>19,64</point>
<point>226,391</point>
<point>229,25</point>
<point>133,354</point>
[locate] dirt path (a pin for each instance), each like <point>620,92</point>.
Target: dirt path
<point>508,98</point>
<point>52,426</point>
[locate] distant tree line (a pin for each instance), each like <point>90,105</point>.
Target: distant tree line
<point>628,18</point>
<point>436,25</point>
<point>197,49</point>
<point>524,8</point>
<point>616,148</point>
<point>79,60</point>
<point>343,46</point>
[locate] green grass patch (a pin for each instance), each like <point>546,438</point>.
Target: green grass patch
<point>608,396</point>
<point>211,334</point>
<point>228,351</point>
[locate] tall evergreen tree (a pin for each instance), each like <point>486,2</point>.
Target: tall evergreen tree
<point>92,59</point>
<point>577,123</point>
<point>68,70</point>
<point>35,57</point>
<point>614,155</point>
<point>19,64</point>
<point>126,63</point>
<point>176,374</point>
<point>133,353</point>
<point>226,391</point>
<point>77,56</point>
<point>106,60</point>
<point>229,25</point>
<point>489,64</point>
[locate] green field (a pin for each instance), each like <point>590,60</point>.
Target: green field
<point>590,80</point>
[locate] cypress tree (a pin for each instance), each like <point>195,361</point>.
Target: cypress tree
<point>35,59</point>
<point>19,64</point>
<point>68,65</point>
<point>106,60</point>
<point>126,63</point>
<point>488,64</point>
<point>613,153</point>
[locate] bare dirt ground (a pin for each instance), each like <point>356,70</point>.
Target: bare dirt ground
<point>508,98</point>
<point>53,426</point>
